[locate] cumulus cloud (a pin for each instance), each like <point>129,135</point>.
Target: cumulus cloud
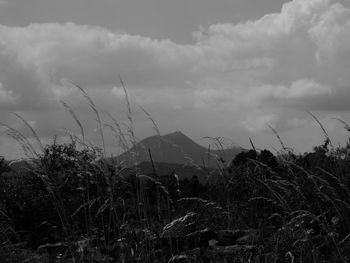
<point>259,71</point>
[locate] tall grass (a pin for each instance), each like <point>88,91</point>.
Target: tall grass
<point>257,208</point>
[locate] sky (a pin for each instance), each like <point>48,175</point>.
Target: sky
<point>224,68</point>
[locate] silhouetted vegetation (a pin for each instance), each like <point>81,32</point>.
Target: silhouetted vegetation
<point>73,204</point>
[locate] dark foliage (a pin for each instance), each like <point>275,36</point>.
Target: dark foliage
<point>73,203</point>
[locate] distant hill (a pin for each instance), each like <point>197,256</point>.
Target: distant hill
<point>164,169</point>
<point>176,148</point>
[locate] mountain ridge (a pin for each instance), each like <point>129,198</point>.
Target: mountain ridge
<point>177,148</point>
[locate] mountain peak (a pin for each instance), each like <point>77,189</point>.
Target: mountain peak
<point>174,147</point>
<point>180,139</point>
<point>175,133</point>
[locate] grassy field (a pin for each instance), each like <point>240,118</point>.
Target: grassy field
<point>71,203</point>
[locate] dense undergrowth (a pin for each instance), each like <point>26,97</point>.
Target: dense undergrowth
<point>70,203</point>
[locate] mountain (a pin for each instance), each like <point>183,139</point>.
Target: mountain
<point>183,171</point>
<point>176,148</point>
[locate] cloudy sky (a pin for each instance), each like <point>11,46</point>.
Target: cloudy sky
<point>208,68</point>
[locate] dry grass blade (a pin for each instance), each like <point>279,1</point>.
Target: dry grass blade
<point>344,240</point>
<point>129,113</point>
<point>346,126</point>
<point>328,140</point>
<point>299,215</point>
<point>75,138</point>
<point>118,132</point>
<point>219,157</point>
<point>121,141</point>
<point>278,137</point>
<point>130,127</point>
<point>22,140</point>
<point>279,199</point>
<point>155,126</point>
<point>31,129</point>
<point>88,203</point>
<point>218,141</point>
<point>94,109</point>
<point>267,200</point>
<point>252,144</point>
<point>336,183</point>
<point>72,113</point>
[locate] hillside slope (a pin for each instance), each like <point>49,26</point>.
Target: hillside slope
<point>176,148</point>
